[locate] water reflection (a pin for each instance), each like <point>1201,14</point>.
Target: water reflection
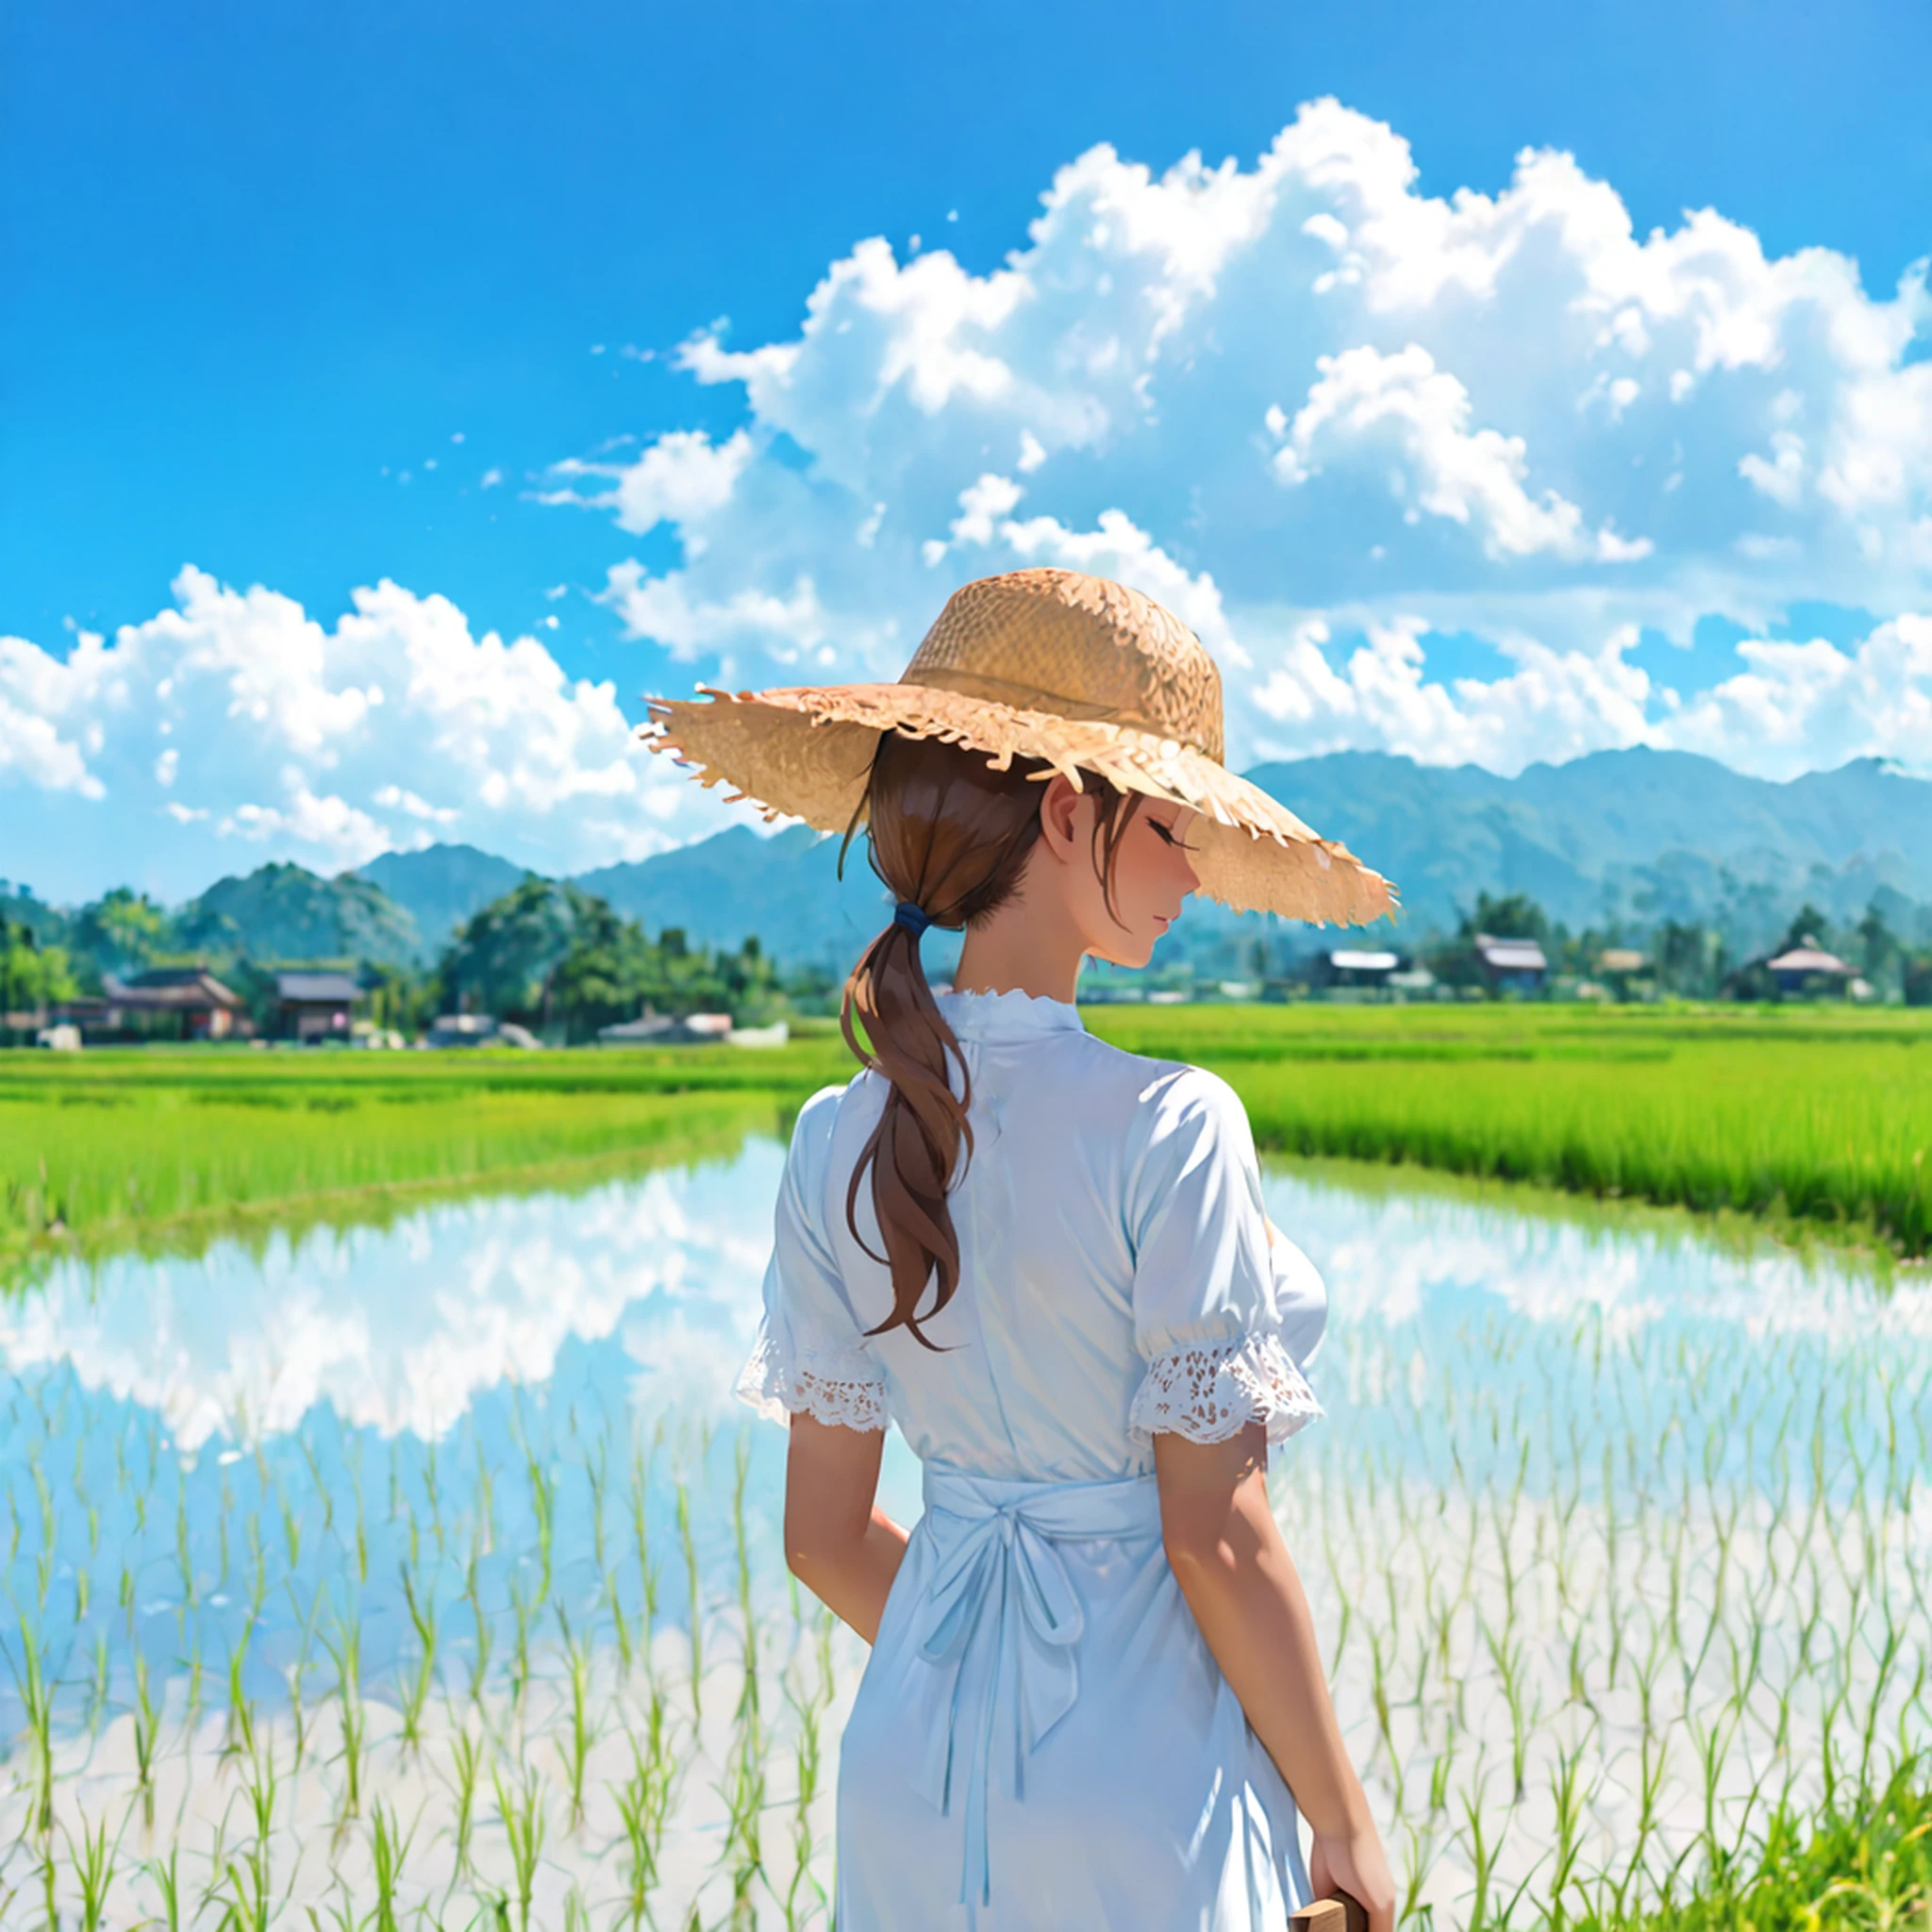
<point>257,1441</point>
<point>398,1330</point>
<point>499,1436</point>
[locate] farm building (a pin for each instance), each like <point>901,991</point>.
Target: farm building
<point>1354,966</point>
<point>1625,970</point>
<point>478,1029</point>
<point>315,1006</point>
<point>661,1029</point>
<point>1512,965</point>
<point>187,1001</point>
<point>1808,969</point>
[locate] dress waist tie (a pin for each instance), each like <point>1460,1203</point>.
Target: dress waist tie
<point>999,1585</point>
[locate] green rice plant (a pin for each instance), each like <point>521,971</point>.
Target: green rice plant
<point>93,1872</point>
<point>688,1544</point>
<point>807,1700</point>
<point>544,1507</point>
<point>145,1731</point>
<point>249,1907</point>
<point>524,1611</point>
<point>466,1756</point>
<point>389,1848</point>
<point>643,1802</point>
<point>345,1652</point>
<point>485,1628</point>
<point>97,1683</point>
<point>521,1811</point>
<point>416,1685</point>
<point>640,1533</point>
<point>36,1693</point>
<point>581,1734</point>
<point>165,1874</point>
<point>298,1708</point>
<point>240,1714</point>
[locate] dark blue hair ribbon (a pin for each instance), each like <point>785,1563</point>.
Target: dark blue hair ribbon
<point>915,919</point>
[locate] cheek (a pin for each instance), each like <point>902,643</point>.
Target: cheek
<point>1142,882</point>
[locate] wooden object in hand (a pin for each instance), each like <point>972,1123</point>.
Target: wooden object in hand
<point>1340,1913</point>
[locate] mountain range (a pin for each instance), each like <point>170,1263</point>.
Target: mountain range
<point>1625,838</point>
<point>1633,835</point>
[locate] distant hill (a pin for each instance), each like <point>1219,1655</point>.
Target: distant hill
<point>287,913</point>
<point>1643,835</point>
<point>784,890</point>
<point>18,906</point>
<point>440,887</point>
<point>1634,837</point>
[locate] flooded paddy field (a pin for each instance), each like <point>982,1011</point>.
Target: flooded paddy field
<point>429,1574</point>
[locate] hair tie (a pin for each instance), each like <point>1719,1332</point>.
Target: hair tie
<point>915,919</point>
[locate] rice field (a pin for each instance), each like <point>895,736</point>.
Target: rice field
<point>1819,1122</point>
<point>1816,1121</point>
<point>424,1574</point>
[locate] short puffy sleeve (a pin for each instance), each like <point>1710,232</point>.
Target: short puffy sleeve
<point>1211,1294</point>
<point>810,1358</point>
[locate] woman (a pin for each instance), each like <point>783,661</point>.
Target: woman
<point>1095,1682</point>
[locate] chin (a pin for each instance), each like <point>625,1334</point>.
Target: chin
<point>1133,956</point>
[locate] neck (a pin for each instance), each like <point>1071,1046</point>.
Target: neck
<point>1036,952</point>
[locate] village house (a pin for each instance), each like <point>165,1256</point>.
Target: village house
<point>177,1002</point>
<point>661,1029</point>
<point>1354,966</point>
<point>1808,971</point>
<point>314,1006</point>
<point>1626,973</point>
<point>1512,965</point>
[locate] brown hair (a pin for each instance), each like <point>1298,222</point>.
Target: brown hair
<point>949,834</point>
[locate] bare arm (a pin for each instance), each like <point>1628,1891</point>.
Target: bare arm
<point>1240,1581</point>
<point>838,1542</point>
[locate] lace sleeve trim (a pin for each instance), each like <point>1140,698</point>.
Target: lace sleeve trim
<point>843,1390</point>
<point>1210,1391</point>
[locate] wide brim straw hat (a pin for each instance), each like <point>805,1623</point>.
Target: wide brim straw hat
<point>1079,672</point>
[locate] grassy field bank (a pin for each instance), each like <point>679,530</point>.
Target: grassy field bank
<point>1819,1121</point>
<point>1814,1118</point>
<point>169,1149</point>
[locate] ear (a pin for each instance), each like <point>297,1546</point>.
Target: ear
<point>1060,816</point>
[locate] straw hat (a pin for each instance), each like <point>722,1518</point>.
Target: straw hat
<point>1085,674</point>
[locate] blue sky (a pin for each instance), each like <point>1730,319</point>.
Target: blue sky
<point>311,299</point>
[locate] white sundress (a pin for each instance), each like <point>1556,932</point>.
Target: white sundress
<point>1041,1738</point>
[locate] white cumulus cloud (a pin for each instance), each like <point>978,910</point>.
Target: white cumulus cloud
<point>236,727</point>
<point>1333,418</point>
<point>1344,428</point>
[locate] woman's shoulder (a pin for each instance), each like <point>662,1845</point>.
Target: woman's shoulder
<point>1155,1103</point>
<point>817,1125</point>
<point>1165,1092</point>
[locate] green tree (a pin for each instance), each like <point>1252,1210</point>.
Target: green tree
<point>1690,959</point>
<point>501,960</point>
<point>1810,928</point>
<point>1516,916</point>
<point>32,976</point>
<point>1878,945</point>
<point>119,934</point>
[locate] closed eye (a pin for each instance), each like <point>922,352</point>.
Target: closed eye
<point>1167,833</point>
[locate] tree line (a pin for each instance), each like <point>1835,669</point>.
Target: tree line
<point>546,954</point>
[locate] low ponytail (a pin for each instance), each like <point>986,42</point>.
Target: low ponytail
<point>949,834</point>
